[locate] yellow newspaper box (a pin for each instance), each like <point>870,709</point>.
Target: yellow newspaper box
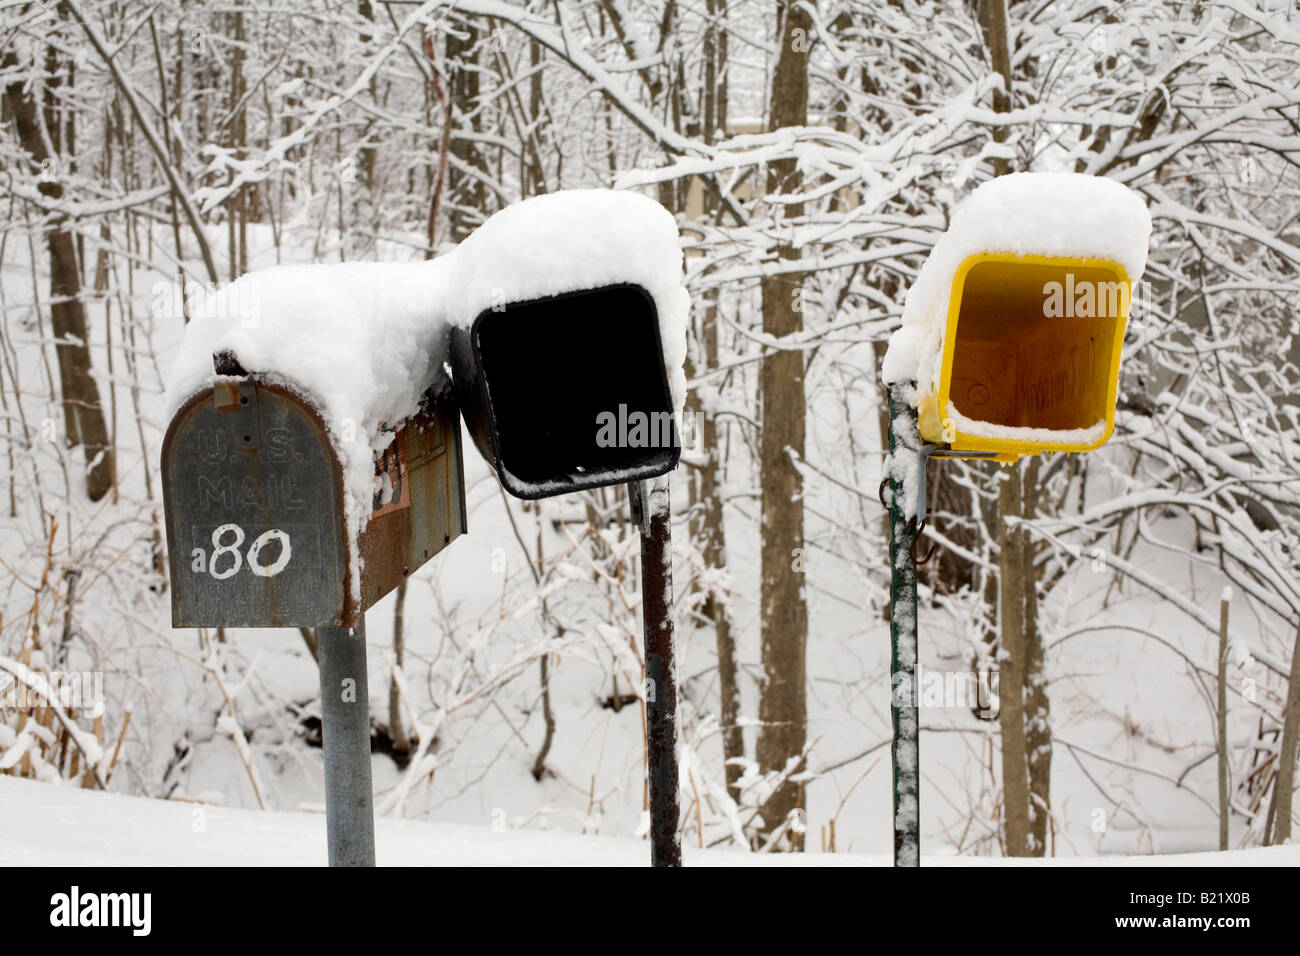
<point>1030,356</point>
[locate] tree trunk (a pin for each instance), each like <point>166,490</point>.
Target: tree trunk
<point>1221,712</point>
<point>1038,729</point>
<point>712,530</point>
<point>1025,712</point>
<point>467,196</point>
<point>1011,670</point>
<point>993,23</point>
<point>783,708</point>
<point>396,729</point>
<point>1284,782</point>
<point>237,205</point>
<point>83,414</point>
<point>716,607</point>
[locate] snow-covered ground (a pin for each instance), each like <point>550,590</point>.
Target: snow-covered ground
<point>50,825</point>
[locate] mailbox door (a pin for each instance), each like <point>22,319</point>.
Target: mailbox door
<point>1032,343</point>
<point>253,496</point>
<point>568,392</point>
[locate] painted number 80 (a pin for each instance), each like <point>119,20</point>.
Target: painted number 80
<point>221,547</point>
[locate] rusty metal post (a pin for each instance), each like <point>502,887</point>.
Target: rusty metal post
<point>652,512</point>
<point>345,734</point>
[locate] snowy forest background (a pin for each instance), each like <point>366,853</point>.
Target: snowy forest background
<point>811,152</point>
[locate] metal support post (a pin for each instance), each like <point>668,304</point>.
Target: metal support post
<point>345,733</point>
<point>905,471</point>
<point>651,510</point>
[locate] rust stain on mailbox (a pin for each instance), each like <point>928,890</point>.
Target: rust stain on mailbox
<point>253,494</point>
<point>421,507</point>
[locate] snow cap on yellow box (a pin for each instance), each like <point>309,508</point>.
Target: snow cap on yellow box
<point>1013,330</point>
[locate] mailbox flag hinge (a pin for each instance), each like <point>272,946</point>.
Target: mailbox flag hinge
<point>233,392</point>
<point>638,494</point>
<point>239,399</point>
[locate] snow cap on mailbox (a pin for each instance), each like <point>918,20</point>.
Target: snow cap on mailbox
<point>1013,330</point>
<point>569,339</point>
<point>310,462</point>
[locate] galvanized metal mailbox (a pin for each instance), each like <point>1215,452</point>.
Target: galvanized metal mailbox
<point>1032,348</point>
<point>253,493</point>
<point>568,392</point>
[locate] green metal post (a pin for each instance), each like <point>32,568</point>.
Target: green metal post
<point>906,486</point>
